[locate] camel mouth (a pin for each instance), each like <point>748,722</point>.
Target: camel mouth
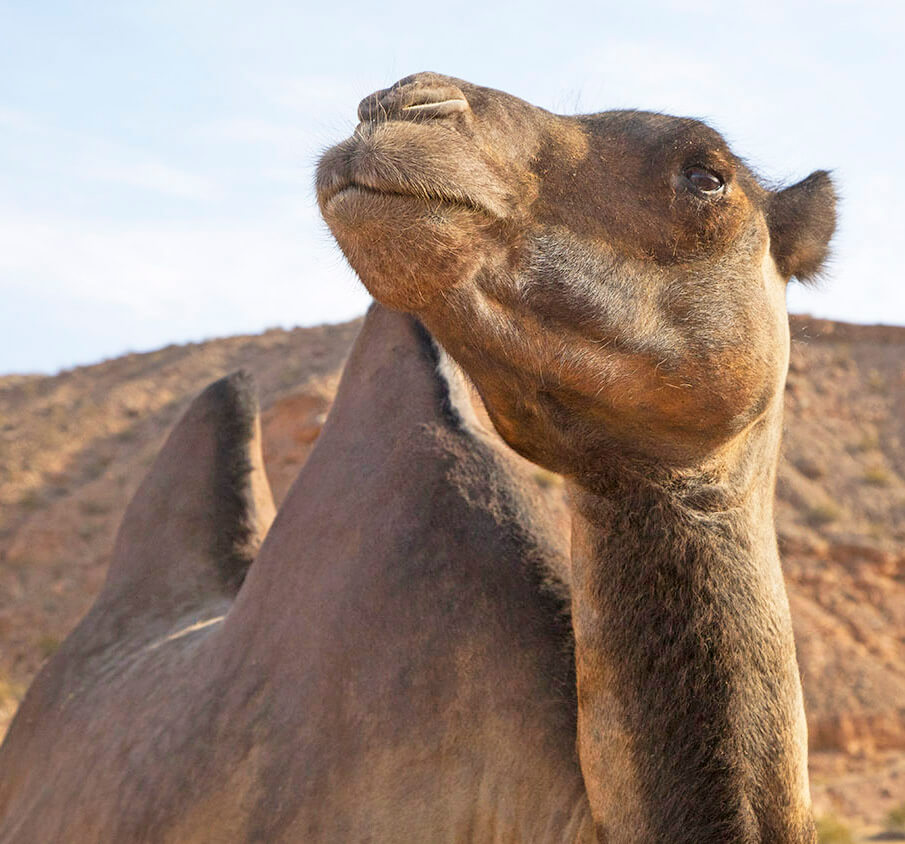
<point>404,161</point>
<point>351,189</point>
<point>346,187</point>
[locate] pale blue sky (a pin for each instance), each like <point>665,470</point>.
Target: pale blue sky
<point>156,158</point>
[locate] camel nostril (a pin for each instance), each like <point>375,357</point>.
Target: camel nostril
<point>413,100</point>
<point>442,108</point>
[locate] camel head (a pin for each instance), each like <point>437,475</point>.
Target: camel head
<point>613,283</point>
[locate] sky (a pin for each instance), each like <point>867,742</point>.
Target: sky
<point>157,158</point>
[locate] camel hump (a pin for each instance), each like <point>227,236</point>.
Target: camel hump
<point>196,522</point>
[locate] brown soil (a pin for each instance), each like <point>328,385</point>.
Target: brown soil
<point>74,446</point>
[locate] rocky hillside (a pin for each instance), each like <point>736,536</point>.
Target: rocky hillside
<point>73,448</point>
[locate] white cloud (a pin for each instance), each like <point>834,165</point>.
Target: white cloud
<point>15,119</point>
<point>248,277</point>
<point>313,92</point>
<point>278,137</point>
<point>78,155</point>
<point>155,176</point>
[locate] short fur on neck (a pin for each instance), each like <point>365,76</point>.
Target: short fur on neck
<point>691,725</point>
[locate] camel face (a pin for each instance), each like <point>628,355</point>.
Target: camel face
<point>613,284</point>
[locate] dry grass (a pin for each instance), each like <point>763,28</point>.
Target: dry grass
<point>10,692</point>
<point>545,479</point>
<point>830,830</point>
<point>31,500</point>
<point>869,441</point>
<point>90,507</point>
<point>895,819</point>
<point>48,645</point>
<point>823,514</point>
<point>876,381</point>
<point>876,476</point>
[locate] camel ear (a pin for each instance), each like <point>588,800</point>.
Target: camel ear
<point>802,219</point>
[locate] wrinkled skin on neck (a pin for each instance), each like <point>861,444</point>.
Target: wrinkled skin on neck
<point>614,286</point>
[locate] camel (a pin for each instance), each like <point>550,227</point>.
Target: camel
<point>390,660</point>
<point>613,286</point>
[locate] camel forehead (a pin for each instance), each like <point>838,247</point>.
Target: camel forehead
<point>647,143</point>
<point>637,119</point>
<point>651,126</point>
<point>638,128</point>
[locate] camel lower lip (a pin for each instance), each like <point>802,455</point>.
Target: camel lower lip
<point>356,189</point>
<point>344,191</point>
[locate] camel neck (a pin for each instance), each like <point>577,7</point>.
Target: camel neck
<point>691,724</point>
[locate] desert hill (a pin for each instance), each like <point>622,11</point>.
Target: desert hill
<point>73,448</point>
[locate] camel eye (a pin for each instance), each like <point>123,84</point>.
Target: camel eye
<point>704,181</point>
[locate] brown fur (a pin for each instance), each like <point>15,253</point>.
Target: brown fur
<point>627,329</point>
